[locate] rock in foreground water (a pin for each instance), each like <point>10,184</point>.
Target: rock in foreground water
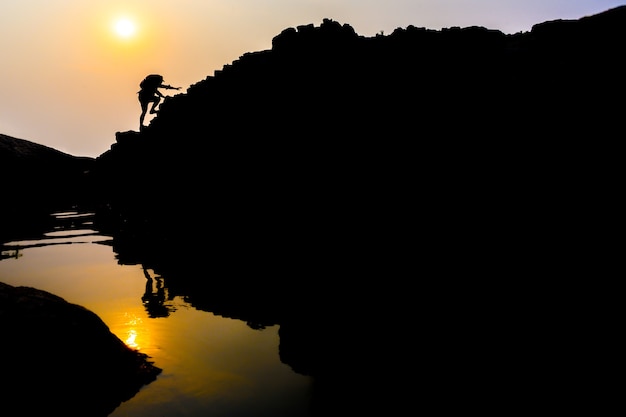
<point>60,358</point>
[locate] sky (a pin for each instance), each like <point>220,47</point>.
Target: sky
<point>70,71</point>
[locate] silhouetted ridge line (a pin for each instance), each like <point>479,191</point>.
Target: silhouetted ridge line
<point>323,95</point>
<point>37,176</point>
<point>331,143</point>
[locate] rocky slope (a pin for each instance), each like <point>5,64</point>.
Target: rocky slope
<point>36,180</point>
<point>59,358</point>
<point>333,150</point>
<point>380,197</point>
<point>34,174</point>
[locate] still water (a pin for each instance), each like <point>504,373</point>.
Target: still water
<point>212,365</point>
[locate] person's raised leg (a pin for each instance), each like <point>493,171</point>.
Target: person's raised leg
<point>154,104</point>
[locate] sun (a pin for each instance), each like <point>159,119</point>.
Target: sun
<point>124,28</point>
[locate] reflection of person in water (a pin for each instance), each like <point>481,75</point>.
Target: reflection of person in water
<point>150,93</point>
<point>154,301</point>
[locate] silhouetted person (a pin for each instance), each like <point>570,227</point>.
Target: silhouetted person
<point>150,93</point>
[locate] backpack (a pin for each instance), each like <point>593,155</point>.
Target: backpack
<point>151,81</point>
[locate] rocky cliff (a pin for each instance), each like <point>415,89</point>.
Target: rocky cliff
<point>332,142</point>
<point>380,196</point>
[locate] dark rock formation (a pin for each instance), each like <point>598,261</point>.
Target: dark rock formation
<point>331,151</point>
<point>370,195</point>
<point>59,358</point>
<point>330,126</point>
<point>349,188</point>
<point>40,173</point>
<point>36,179</point>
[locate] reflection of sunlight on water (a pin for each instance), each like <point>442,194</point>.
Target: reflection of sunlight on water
<point>74,232</point>
<point>86,237</point>
<point>133,322</point>
<point>71,214</point>
<point>210,363</point>
<point>131,339</point>
<point>70,227</point>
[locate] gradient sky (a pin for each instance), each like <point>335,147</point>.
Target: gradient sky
<point>69,81</point>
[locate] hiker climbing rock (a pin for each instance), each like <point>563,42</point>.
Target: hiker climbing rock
<point>150,93</point>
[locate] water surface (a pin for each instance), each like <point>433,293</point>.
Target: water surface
<point>212,365</point>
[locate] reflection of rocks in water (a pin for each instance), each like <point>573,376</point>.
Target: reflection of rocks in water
<point>154,298</point>
<point>61,359</point>
<point>315,310</point>
<point>11,253</point>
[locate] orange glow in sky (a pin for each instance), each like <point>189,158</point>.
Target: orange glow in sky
<point>71,69</point>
